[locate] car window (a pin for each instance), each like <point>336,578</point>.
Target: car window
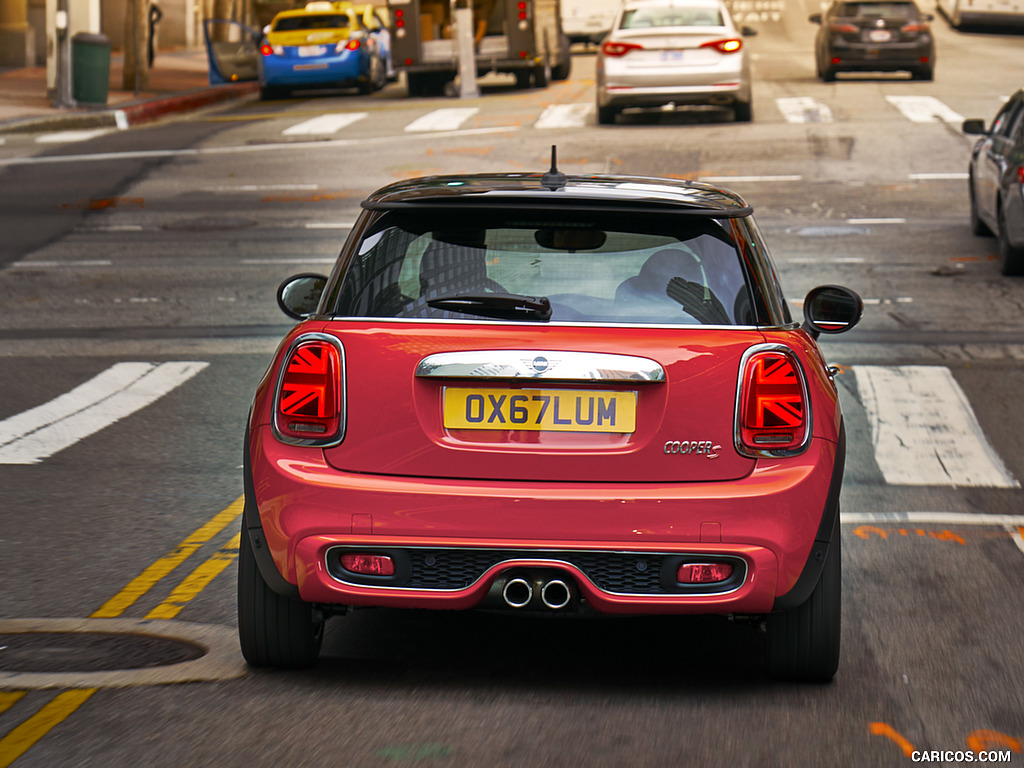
<point>311,21</point>
<point>700,16</point>
<point>1007,118</point>
<point>632,269</point>
<point>888,10</point>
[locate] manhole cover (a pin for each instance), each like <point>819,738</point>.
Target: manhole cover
<point>209,224</point>
<point>90,651</point>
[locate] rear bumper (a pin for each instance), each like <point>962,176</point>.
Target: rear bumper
<point>276,71</point>
<point>768,521</point>
<point>867,58</point>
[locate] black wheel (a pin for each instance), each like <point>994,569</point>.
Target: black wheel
<point>273,630</point>
<point>1011,259</point>
<point>743,111</point>
<point>376,78</point>
<point>803,642</point>
<point>828,75</point>
<point>924,74</point>
<point>523,78</point>
<point>978,227</point>
<point>562,71</point>
<point>606,115</point>
<point>272,92</point>
<point>542,75</point>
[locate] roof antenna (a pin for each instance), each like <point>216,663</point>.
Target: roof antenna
<point>554,179</point>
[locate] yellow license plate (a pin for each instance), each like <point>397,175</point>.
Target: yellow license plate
<point>547,410</point>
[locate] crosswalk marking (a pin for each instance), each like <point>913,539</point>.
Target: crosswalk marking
<point>924,431</point>
<point>324,124</point>
<point>66,137</point>
<point>804,109</point>
<point>564,116</point>
<point>924,109</point>
<point>448,119</point>
<point>119,391</point>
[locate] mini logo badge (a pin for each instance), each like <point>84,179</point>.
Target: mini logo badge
<point>540,364</point>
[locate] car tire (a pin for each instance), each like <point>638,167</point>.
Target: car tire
<point>272,92</point>
<point>1011,258</point>
<point>606,115</point>
<point>924,74</point>
<point>803,642</point>
<point>978,227</point>
<point>743,111</point>
<point>273,630</point>
<point>563,70</point>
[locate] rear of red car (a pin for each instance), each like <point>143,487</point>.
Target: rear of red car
<point>559,403</point>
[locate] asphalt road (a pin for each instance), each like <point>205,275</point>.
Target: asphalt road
<point>149,259</point>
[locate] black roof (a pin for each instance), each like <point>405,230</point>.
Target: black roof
<point>607,192</point>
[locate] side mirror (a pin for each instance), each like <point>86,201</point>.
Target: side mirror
<point>748,31</point>
<point>299,295</point>
<point>974,127</point>
<point>831,309</point>
<point>815,18</point>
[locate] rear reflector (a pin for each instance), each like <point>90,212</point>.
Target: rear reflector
<point>367,564</point>
<point>772,417</point>
<point>309,405</point>
<point>703,573</point>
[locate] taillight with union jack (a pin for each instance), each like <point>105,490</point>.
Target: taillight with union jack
<point>309,402</point>
<point>773,416</point>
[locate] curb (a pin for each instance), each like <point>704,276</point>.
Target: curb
<point>131,113</point>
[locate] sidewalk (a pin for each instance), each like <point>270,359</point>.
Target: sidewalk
<point>178,82</point>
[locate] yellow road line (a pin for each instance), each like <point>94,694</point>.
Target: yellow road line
<point>197,581</point>
<point>8,699</point>
<point>21,739</point>
<point>154,573</point>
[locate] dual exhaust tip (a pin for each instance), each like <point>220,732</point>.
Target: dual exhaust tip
<point>555,593</point>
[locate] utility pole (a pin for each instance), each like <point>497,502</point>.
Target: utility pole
<point>135,75</point>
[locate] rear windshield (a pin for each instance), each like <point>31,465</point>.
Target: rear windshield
<point>312,21</point>
<point>641,18</point>
<point>631,269</point>
<point>888,10</point>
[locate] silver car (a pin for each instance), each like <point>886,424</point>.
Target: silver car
<point>674,52</point>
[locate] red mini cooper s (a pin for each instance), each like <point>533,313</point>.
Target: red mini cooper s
<point>540,392</point>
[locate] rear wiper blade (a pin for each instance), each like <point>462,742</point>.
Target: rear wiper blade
<point>503,306</point>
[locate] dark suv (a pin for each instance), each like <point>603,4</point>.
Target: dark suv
<point>874,37</point>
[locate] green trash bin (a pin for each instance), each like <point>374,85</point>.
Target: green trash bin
<point>90,68</point>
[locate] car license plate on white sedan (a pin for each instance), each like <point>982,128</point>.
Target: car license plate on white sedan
<point>547,410</point>
<point>308,51</point>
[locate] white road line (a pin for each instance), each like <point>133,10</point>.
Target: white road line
<point>447,119</point>
<point>804,109</point>
<point>64,137</point>
<point>957,176</point>
<point>263,188</point>
<point>311,260</point>
<point>243,149</point>
<point>924,109</point>
<point>937,518</point>
<point>61,264</point>
<point>924,431</point>
<point>733,179</point>
<point>329,225</point>
<point>324,124</point>
<point>119,391</point>
<point>876,221</point>
<point>564,116</point>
